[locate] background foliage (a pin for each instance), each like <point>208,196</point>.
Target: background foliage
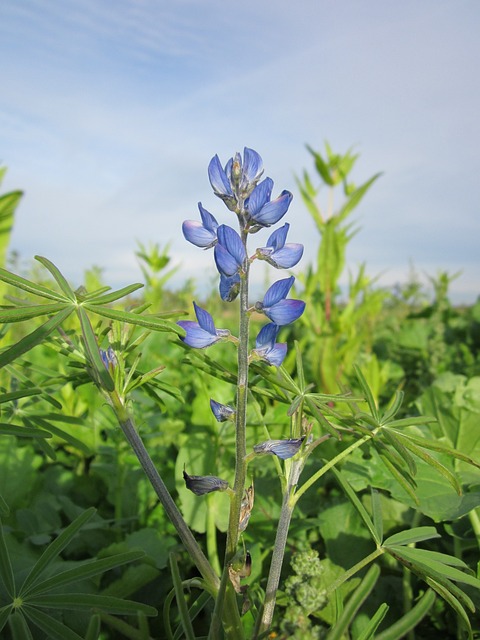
<point>83,532</point>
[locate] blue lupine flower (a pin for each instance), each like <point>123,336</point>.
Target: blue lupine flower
<point>201,334</point>
<point>283,449</point>
<point>222,412</point>
<point>279,254</point>
<point>263,211</point>
<point>275,307</point>
<point>238,179</point>
<point>229,287</point>
<point>109,358</point>
<point>201,234</point>
<point>200,485</point>
<point>230,254</point>
<point>266,347</point>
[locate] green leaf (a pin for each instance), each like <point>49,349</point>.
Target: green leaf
<point>85,601</point>
<point>426,560</point>
<point>411,536</point>
<point>352,496</point>
<point>393,408</point>
<point>31,287</point>
<point>433,462</point>
<point>433,445</point>
<point>410,620</point>
<point>410,422</point>
<point>354,603</point>
<point>59,278</point>
<point>321,419</point>
<point>377,515</point>
<point>87,570</point>
<point>6,571</point>
<point>115,295</point>
<point>54,549</point>
<point>356,197</point>
<point>180,598</point>
<point>60,433</point>
<point>401,450</point>
<point>54,629</point>
<point>452,601</point>
<point>149,321</point>
<point>368,394</point>
<point>91,346</point>
<point>5,614</point>
<point>23,432</point>
<point>322,167</point>
<point>19,626</point>
<point>94,626</point>
<point>36,337</point>
<point>31,311</point>
<point>369,631</point>
<point>8,204</point>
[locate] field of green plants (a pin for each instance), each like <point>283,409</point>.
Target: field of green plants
<point>166,481</point>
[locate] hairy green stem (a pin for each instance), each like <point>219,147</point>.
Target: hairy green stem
<point>186,536</point>
<point>265,619</point>
<point>226,593</point>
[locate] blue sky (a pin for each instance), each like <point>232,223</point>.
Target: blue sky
<point>111,110</point>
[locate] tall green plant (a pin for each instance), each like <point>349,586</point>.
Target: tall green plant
<point>342,327</point>
<point>8,204</point>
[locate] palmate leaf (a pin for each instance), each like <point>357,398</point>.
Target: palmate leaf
<point>5,614</point>
<point>35,337</point>
<point>356,197</point>
<point>412,536</point>
<point>54,549</point>
<point>54,629</point>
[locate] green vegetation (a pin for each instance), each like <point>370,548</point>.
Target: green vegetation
<point>380,507</point>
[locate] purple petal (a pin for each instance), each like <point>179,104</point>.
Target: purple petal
<point>278,291</point>
<point>200,485</point>
<point>226,263</point>
<point>278,237</point>
<point>276,356</point>
<point>232,242</point>
<point>205,320</point>
<point>285,311</point>
<point>229,287</point>
<point>252,165</point>
<point>218,178</point>
<point>209,221</point>
<point>197,234</point>
<point>287,257</point>
<point>267,336</point>
<point>259,196</point>
<point>284,449</point>
<point>196,337</point>
<point>273,211</point>
<point>222,412</point>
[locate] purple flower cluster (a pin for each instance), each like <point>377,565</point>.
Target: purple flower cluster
<point>240,187</point>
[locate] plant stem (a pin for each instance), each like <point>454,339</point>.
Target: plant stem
<point>353,570</point>
<point>265,619</point>
<point>225,592</point>
<point>186,536</point>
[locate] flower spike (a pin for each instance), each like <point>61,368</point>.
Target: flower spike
<point>201,334</point>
